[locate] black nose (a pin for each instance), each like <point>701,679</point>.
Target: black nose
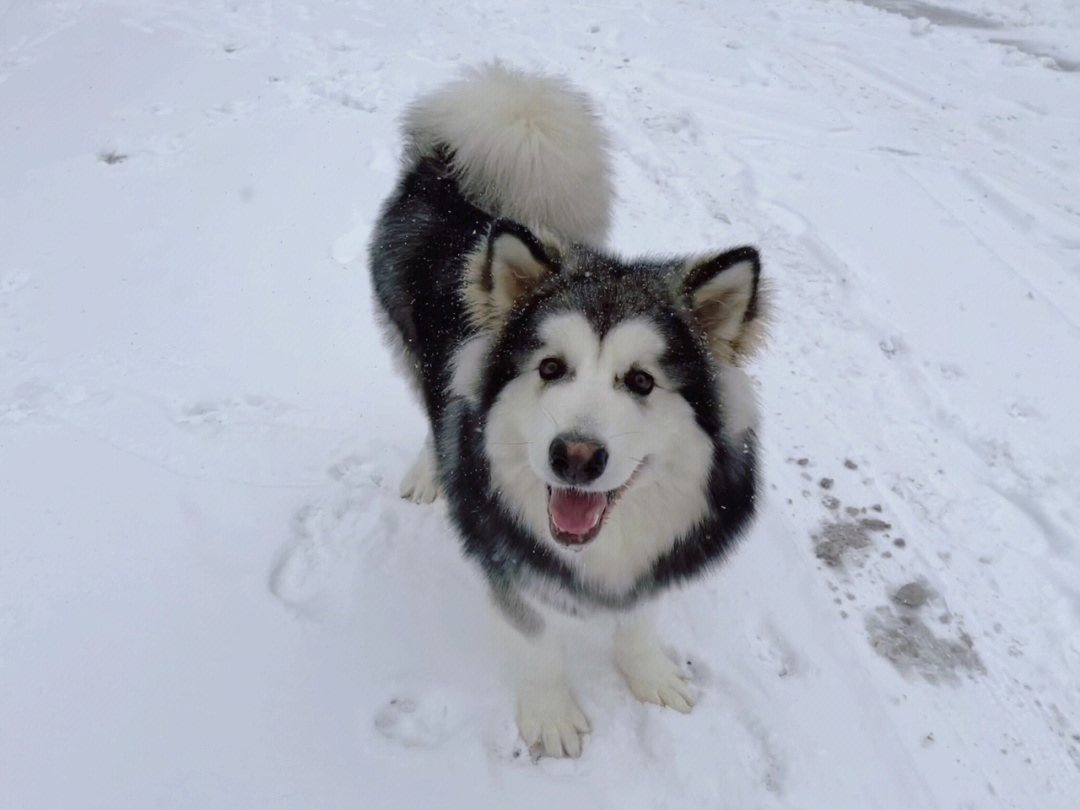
<point>576,460</point>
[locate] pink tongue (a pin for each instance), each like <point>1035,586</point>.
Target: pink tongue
<point>576,512</point>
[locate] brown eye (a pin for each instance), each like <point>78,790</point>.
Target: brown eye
<point>551,368</point>
<point>638,381</point>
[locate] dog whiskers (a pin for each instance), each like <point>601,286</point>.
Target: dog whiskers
<point>554,421</point>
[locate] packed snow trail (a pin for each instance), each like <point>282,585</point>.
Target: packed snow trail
<point>210,592</point>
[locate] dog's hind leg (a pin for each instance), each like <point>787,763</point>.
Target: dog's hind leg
<point>421,484</point>
<point>650,674</point>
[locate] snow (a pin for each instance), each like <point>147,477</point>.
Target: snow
<point>211,594</point>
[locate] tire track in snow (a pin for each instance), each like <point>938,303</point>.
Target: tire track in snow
<point>1018,211</point>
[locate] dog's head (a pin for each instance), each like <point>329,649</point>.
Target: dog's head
<point>603,385</point>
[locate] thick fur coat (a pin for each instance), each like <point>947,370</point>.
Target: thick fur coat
<point>592,428</point>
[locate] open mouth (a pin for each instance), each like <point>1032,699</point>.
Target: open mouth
<point>576,516</point>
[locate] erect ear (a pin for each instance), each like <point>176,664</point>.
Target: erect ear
<point>726,298</point>
<point>512,264</point>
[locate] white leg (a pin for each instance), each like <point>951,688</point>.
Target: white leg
<point>549,719</point>
<point>420,484</point>
<point>650,674</point>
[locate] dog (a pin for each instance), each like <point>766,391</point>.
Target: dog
<point>592,428</point>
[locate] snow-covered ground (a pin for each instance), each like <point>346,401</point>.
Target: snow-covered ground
<point>210,593</point>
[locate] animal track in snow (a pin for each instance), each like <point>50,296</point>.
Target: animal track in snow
<point>776,651</point>
<point>349,245</point>
<point>38,398</point>
<point>232,110</point>
<point>755,745</point>
<point>420,721</point>
<point>346,92</point>
<point>13,280</point>
<point>157,149</point>
<point>331,537</point>
<point>210,416</point>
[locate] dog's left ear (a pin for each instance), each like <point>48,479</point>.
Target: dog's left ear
<point>728,302</point>
<point>510,267</point>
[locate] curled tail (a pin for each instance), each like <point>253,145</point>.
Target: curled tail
<point>523,146</point>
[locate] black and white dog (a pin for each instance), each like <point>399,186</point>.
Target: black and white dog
<point>592,430</point>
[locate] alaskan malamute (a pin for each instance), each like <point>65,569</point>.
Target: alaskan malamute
<point>592,430</point>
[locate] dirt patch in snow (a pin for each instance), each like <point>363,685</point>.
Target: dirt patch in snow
<point>912,595</point>
<point>838,537</point>
<point>909,645</point>
<point>937,14</point>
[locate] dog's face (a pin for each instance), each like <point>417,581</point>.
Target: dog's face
<point>602,382</point>
<point>587,413</point>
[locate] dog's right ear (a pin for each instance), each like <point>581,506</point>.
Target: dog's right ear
<point>508,269</point>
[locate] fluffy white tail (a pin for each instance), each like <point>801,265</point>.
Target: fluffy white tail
<point>524,146</point>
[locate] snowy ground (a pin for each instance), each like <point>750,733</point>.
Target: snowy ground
<point>210,594</point>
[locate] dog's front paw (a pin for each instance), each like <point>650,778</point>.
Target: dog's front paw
<point>655,678</point>
<point>420,484</point>
<point>550,721</point>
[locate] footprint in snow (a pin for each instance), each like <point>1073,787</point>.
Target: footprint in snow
<point>356,470</point>
<point>421,721</point>
<point>37,398</point>
<point>350,245</point>
<point>230,110</point>
<point>332,539</point>
<point>210,416</point>
<point>13,280</point>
